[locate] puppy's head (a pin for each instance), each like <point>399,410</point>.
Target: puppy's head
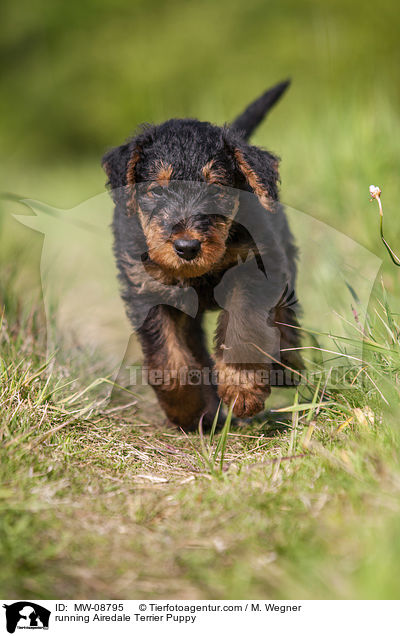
<point>182,179</point>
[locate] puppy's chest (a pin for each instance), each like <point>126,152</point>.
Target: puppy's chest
<point>205,285</point>
<point>236,255</point>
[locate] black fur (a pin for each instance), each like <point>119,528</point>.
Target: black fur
<point>255,113</point>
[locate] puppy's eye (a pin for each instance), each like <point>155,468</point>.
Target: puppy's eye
<point>217,190</point>
<point>156,191</point>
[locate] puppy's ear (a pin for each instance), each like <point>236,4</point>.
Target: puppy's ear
<point>115,163</point>
<point>119,165</point>
<point>258,169</point>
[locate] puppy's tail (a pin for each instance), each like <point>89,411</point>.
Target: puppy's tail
<point>248,121</point>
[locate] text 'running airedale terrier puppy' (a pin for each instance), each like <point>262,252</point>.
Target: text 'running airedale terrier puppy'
<point>197,227</point>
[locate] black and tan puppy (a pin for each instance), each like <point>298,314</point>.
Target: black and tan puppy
<point>196,208</point>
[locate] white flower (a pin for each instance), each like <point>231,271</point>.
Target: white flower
<point>375,192</point>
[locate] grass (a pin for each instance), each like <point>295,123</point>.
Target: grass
<point>99,503</point>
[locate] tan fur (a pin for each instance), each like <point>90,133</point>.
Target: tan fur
<point>131,180</point>
<point>254,182</point>
<point>178,355</point>
<point>183,403</point>
<point>213,175</point>
<point>161,250</point>
<point>164,172</point>
<point>234,255</point>
<point>237,384</point>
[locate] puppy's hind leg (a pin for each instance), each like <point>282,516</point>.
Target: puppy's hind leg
<point>179,368</point>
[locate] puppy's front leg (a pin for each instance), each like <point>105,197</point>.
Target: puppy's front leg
<point>178,366</point>
<point>246,344</point>
<point>246,384</point>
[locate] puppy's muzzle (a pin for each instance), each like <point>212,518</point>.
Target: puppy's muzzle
<point>187,248</point>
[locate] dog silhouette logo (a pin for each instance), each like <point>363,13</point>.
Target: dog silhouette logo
<point>26,615</point>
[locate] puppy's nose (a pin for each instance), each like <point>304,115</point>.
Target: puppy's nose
<point>187,248</point>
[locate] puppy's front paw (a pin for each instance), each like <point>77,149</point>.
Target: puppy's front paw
<point>239,386</point>
<point>248,402</point>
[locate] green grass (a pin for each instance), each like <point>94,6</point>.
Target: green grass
<point>97,502</point>
<point>107,503</point>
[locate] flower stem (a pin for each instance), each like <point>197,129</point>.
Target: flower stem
<point>376,194</point>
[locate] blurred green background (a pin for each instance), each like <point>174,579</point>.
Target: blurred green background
<point>78,77</point>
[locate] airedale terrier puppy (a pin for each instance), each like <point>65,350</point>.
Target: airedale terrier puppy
<point>197,216</point>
